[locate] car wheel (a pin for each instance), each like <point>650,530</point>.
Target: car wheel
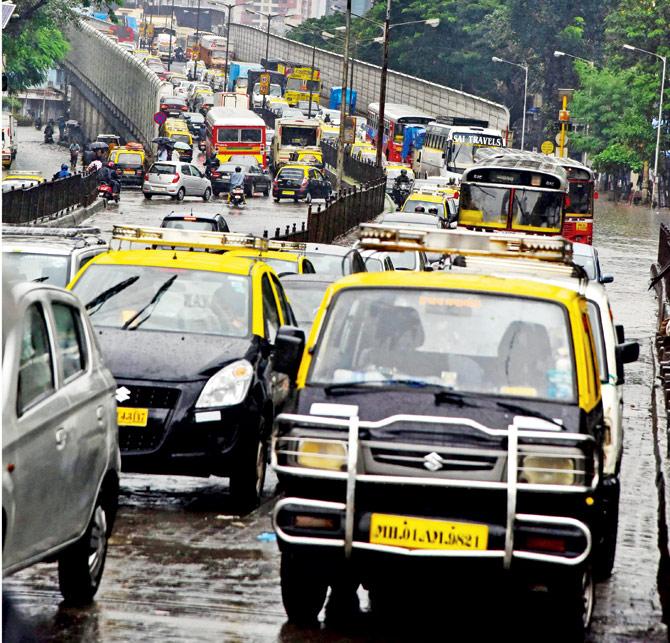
<point>248,476</point>
<point>207,195</point>
<point>180,194</point>
<point>266,192</point>
<point>81,565</point>
<point>216,193</point>
<point>572,604</point>
<point>605,552</point>
<point>303,591</point>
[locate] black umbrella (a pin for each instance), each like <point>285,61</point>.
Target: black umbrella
<point>163,140</point>
<point>97,145</point>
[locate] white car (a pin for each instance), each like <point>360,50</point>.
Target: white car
<point>176,180</point>
<point>60,448</point>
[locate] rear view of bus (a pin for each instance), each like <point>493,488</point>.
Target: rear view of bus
<point>578,225</point>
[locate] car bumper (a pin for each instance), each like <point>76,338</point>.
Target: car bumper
<point>296,193</point>
<point>160,189</point>
<point>179,439</point>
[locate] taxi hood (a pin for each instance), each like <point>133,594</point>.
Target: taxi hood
<point>171,357</point>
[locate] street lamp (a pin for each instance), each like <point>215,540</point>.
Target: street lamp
<point>560,54</point>
<point>230,8</point>
<point>269,17</point>
<point>664,60</point>
<point>495,59</point>
<point>386,26</point>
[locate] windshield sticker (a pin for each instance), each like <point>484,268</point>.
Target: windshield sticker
<point>452,302</point>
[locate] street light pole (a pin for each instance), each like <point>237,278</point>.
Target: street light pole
<point>171,30</point>
<point>664,60</point>
<point>225,78</point>
<point>345,74</point>
<point>351,79</point>
<point>495,59</point>
<point>311,79</point>
<point>197,42</point>
<point>382,87</point>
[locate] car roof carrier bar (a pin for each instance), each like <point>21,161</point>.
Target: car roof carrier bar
<point>296,246</point>
<point>466,243</point>
<point>176,238</point>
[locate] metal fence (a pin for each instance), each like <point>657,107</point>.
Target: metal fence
<point>359,171</point>
<point>49,199</point>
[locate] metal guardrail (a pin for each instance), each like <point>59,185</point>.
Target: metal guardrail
<point>49,199</point>
<point>359,171</point>
<point>345,210</point>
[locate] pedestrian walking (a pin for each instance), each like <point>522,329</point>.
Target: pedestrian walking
<point>74,154</point>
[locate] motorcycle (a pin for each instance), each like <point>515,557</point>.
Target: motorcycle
<point>236,197</point>
<point>179,55</point>
<point>106,193</point>
<point>400,194</point>
<point>48,137</point>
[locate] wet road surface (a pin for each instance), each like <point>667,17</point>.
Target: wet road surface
<point>182,566</point>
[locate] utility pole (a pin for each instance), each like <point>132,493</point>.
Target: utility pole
<point>197,42</point>
<point>230,11</point>
<point>171,30</point>
<point>311,79</point>
<point>345,75</point>
<point>382,89</point>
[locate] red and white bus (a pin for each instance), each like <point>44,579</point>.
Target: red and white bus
<point>396,118</point>
<point>578,224</point>
<point>233,132</point>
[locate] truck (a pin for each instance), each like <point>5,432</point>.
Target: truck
<point>233,100</point>
<point>213,52</point>
<point>295,137</point>
<point>253,77</point>
<point>237,76</point>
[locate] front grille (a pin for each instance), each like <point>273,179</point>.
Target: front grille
<point>151,397</point>
<point>141,438</point>
<point>425,460</point>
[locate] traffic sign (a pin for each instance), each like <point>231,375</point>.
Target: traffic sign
<point>558,139</point>
<point>160,118</point>
<point>264,82</point>
<point>547,147</point>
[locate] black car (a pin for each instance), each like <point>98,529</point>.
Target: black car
<point>298,181</point>
<point>174,106</point>
<point>255,179</point>
<point>200,222</point>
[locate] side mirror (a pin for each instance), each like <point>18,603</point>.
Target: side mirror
<point>620,333</point>
<point>607,279</point>
<point>625,354</point>
<point>288,349</point>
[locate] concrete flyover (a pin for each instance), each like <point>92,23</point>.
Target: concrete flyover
<point>111,90</point>
<point>435,99</point>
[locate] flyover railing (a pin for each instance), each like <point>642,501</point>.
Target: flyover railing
<point>48,200</point>
<point>358,170</point>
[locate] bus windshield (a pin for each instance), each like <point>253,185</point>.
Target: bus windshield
<point>510,208</point>
<point>298,136</point>
<point>242,134</point>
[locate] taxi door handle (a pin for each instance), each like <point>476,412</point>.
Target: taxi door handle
<point>61,438</point>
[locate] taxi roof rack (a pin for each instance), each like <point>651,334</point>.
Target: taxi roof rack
<point>286,246</point>
<point>44,231</point>
<point>372,236</point>
<point>174,237</point>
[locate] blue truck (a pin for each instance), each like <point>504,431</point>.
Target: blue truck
<point>237,78</point>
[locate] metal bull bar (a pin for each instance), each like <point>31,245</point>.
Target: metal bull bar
<point>346,417</point>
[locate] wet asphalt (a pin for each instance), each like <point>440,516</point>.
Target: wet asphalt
<point>183,566</point>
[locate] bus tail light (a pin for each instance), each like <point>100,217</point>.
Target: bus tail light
<point>176,178</point>
<point>595,195</point>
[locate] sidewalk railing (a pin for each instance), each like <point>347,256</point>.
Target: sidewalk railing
<point>359,171</point>
<point>49,199</point>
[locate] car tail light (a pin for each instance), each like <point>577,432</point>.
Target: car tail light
<point>275,182</point>
<point>176,178</point>
<point>184,108</point>
<point>595,195</point>
<point>190,218</point>
<point>216,173</point>
<point>146,177</point>
<point>456,195</point>
<point>546,543</point>
<point>304,183</point>
<point>139,172</point>
<point>164,106</point>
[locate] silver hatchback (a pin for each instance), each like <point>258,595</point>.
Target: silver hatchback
<point>60,449</point>
<point>176,180</point>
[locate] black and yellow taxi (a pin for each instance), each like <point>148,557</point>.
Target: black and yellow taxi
<point>130,159</point>
<point>189,338</point>
<point>446,426</point>
<point>285,257</point>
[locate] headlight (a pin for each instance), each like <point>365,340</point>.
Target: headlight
<point>322,454</point>
<point>227,387</point>
<point>536,469</point>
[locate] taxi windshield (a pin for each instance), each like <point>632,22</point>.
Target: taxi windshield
<point>280,266</point>
<point>496,207</point>
<point>28,266</point>
<point>166,299</point>
<point>463,341</point>
<point>327,264</point>
<point>129,159</point>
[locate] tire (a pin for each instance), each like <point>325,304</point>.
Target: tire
<point>207,195</point>
<point>216,193</point>
<point>148,196</point>
<point>303,591</point>
<point>181,193</point>
<point>104,203</point>
<point>81,565</point>
<point>248,477</point>
<point>605,552</point>
<point>572,604</point>
<point>266,192</point>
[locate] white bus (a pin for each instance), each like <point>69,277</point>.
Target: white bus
<point>450,144</point>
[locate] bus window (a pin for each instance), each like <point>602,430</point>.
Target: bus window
<point>580,198</point>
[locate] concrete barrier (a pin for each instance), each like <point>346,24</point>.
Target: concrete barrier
<point>249,43</point>
<point>113,89</point>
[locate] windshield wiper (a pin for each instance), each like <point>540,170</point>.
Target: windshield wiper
<point>345,388</point>
<point>152,304</point>
<point>447,396</point>
<point>524,410</point>
<point>40,279</point>
<point>109,293</point>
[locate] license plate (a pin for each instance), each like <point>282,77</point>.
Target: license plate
<point>288,191</point>
<point>129,171</point>
<point>421,533</point>
<point>132,417</point>
<point>582,226</point>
